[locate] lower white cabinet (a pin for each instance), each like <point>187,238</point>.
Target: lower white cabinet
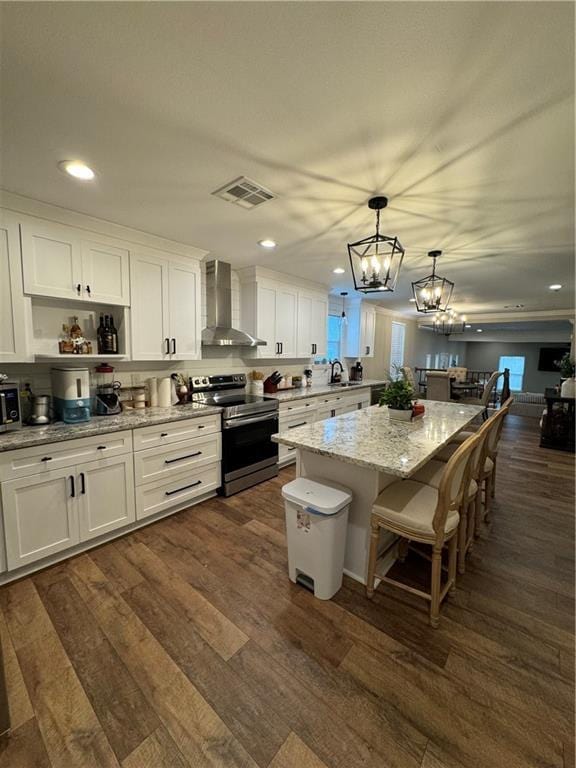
<point>105,493</point>
<point>155,497</point>
<point>40,516</point>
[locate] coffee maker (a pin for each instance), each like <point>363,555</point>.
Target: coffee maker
<point>71,394</point>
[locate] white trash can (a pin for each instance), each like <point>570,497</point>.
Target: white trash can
<point>316,525</point>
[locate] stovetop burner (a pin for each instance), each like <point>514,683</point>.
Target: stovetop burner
<point>228,392</point>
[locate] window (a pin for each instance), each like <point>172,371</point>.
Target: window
<point>333,343</point>
<point>397,347</point>
<point>516,366</point>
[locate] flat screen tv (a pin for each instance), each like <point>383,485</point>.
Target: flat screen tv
<point>549,355</point>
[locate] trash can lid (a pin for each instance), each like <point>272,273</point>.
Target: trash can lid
<point>326,499</point>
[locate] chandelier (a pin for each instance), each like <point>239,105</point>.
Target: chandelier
<point>375,261</point>
<point>432,293</point>
<point>447,323</point>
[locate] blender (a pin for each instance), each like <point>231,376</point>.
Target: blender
<point>107,396</point>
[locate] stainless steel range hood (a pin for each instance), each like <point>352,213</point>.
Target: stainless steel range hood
<point>219,332</point>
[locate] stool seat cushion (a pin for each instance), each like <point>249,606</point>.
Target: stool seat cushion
<point>431,474</point>
<point>445,454</point>
<point>461,437</point>
<point>410,506</point>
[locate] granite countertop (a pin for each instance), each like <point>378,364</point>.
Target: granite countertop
<point>325,389</point>
<point>369,438</point>
<point>57,432</point>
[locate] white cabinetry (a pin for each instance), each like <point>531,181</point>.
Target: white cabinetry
<point>312,324</point>
<point>165,308</point>
<point>361,330</point>
<point>66,263</point>
<point>105,496</point>
<point>289,318</point>
<point>14,307</point>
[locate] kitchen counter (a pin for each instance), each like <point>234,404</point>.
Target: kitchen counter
<point>325,389</point>
<point>365,451</point>
<point>369,438</point>
<point>57,432</point>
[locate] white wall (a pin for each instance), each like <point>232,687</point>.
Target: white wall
<point>378,367</point>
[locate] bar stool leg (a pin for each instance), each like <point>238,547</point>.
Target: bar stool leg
<point>493,479</point>
<point>435,585</point>
<point>462,536</point>
<point>452,558</point>
<point>478,511</point>
<point>488,496</point>
<point>374,537</point>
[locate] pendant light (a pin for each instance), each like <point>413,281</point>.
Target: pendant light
<point>343,318</point>
<point>432,293</point>
<point>447,323</point>
<point>375,261</point>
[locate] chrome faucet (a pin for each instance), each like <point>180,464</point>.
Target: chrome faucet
<point>333,379</point>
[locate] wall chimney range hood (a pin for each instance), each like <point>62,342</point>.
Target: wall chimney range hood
<point>219,331</point>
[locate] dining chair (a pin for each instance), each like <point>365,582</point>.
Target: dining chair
<point>408,374</point>
<point>431,474</point>
<point>420,513</point>
<point>488,470</point>
<point>457,373</point>
<point>487,394</point>
<point>438,386</point>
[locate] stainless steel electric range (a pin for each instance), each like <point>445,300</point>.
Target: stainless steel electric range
<point>248,422</point>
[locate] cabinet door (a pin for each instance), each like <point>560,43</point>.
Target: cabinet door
<point>286,320</point>
<point>150,326</point>
<point>105,491</point>
<point>105,276</point>
<point>266,321</point>
<point>319,325</point>
<point>184,310</point>
<point>51,260</point>
<point>40,516</point>
<point>304,327</point>
<point>367,332</point>
<point>13,341</point>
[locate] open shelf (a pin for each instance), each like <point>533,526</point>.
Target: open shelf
<point>58,356</point>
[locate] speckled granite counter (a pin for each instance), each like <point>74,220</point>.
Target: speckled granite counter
<point>99,425</point>
<point>327,389</point>
<point>369,438</point>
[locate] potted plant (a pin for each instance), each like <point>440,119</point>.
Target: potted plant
<point>567,368</point>
<point>399,397</point>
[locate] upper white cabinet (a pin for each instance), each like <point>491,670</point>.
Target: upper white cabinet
<point>312,324</point>
<point>14,307</point>
<point>65,263</point>
<point>361,330</point>
<point>291,320</point>
<point>166,310</point>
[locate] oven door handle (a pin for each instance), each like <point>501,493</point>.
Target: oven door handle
<point>240,422</point>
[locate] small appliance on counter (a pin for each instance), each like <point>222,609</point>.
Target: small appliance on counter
<point>107,398</point>
<point>40,414</point>
<point>10,412</point>
<point>356,372</point>
<point>71,393</point>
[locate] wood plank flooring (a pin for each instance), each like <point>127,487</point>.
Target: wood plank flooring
<point>185,644</point>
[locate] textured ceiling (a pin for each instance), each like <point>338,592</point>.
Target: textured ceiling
<point>461,113</point>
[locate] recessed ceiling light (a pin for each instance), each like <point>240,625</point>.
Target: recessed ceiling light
<point>467,325</point>
<point>339,271</point>
<point>267,243</point>
<point>555,287</point>
<point>413,301</point>
<point>479,330</point>
<point>77,169</point>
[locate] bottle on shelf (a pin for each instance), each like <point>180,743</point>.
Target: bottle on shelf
<point>100,336</point>
<point>114,336</point>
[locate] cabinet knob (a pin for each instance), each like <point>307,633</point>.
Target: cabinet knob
<point>78,289</point>
<point>88,290</point>
<point>46,458</point>
<point>163,434</point>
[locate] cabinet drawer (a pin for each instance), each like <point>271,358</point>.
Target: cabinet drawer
<point>174,431</point>
<point>156,463</point>
<point>297,407</point>
<point>297,420</point>
<point>44,458</point>
<point>286,453</point>
<point>162,495</point>
<point>326,412</point>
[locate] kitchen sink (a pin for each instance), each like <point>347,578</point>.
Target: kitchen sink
<point>345,384</point>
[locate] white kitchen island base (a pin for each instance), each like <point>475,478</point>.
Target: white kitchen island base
<point>365,485</point>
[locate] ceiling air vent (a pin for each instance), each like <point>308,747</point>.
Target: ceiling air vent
<point>245,193</point>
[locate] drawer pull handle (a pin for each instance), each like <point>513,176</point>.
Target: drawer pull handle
<point>163,434</point>
<point>46,458</point>
<point>301,424</point>
<point>101,448</point>
<point>181,458</point>
<point>291,449</point>
<point>201,426</point>
<point>184,488</point>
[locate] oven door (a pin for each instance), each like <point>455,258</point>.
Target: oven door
<point>247,445</point>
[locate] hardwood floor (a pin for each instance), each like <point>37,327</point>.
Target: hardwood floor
<point>185,644</point>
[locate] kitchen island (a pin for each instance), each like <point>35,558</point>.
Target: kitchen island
<point>365,451</point>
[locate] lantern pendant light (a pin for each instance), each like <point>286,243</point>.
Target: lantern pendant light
<point>432,293</point>
<point>447,323</point>
<point>375,261</point>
